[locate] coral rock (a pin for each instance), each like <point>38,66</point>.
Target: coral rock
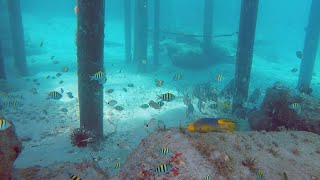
<point>10,148</point>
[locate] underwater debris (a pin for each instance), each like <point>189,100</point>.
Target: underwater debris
<point>81,137</point>
<point>250,163</point>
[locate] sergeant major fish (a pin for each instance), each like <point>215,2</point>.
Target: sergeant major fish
<point>55,95</point>
<point>163,169</point>
<point>4,124</point>
<point>99,76</point>
<point>167,97</point>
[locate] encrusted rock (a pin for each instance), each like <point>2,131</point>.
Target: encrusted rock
<point>10,148</point>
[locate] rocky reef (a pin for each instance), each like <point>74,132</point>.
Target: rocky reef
<point>240,155</point>
<point>10,148</point>
<point>275,111</point>
<point>58,171</point>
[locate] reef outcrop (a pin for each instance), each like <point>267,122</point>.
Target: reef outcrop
<point>239,155</point>
<point>276,111</point>
<point>84,170</point>
<point>10,148</point>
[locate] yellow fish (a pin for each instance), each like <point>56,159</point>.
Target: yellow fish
<point>212,124</point>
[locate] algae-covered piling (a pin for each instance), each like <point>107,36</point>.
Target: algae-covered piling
<point>141,34</point>
<point>90,43</point>
<point>247,28</point>
<point>310,45</point>
<point>17,33</point>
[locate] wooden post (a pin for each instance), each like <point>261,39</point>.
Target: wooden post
<point>207,27</point>
<point>141,34</point>
<point>156,32</point>
<point>247,28</point>
<point>90,43</point>
<point>2,69</point>
<point>127,27</point>
<point>19,53</point>
<point>310,46</point>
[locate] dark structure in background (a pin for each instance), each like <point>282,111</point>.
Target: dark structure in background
<point>207,27</point>
<point>310,46</point>
<point>2,69</point>
<point>247,28</point>
<point>141,34</point>
<point>156,32</point>
<point>19,53</point>
<point>127,29</point>
<point>90,44</point>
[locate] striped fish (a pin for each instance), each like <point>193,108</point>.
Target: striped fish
<point>13,103</point>
<point>159,83</point>
<point>260,174</point>
<point>54,95</point>
<point>208,177</point>
<point>4,124</point>
<point>99,76</point>
<point>296,107</point>
<point>117,166</point>
<point>34,91</point>
<point>163,169</point>
<point>166,151</point>
<point>177,76</point>
<point>219,77</point>
<point>167,97</point>
<point>73,177</point>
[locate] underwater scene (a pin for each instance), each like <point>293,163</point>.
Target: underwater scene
<point>160,89</point>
